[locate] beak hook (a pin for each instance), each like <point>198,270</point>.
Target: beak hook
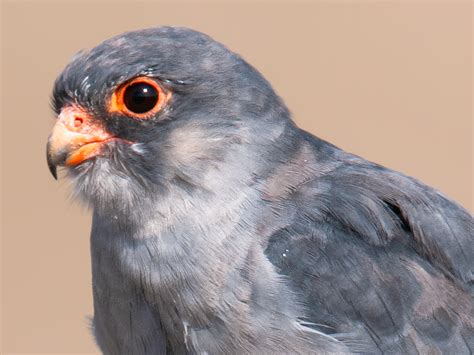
<point>51,164</point>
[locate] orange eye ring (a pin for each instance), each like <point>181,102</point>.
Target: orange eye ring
<point>139,98</point>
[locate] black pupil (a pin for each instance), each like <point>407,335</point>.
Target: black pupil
<point>140,97</point>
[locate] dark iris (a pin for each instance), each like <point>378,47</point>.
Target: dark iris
<point>140,97</point>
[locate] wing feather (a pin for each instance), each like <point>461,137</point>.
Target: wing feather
<point>373,250</point>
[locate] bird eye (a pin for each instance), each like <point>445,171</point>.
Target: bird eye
<point>140,98</point>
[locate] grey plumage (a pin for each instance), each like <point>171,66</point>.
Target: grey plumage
<point>224,228</point>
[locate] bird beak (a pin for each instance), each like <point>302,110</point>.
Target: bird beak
<point>76,137</point>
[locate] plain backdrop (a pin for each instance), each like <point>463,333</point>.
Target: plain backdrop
<point>391,81</point>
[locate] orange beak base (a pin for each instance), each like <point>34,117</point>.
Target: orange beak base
<point>76,137</point>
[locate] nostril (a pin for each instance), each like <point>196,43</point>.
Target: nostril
<point>78,121</point>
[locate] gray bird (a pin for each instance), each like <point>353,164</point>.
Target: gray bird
<point>219,227</point>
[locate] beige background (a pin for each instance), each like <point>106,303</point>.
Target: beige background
<point>391,81</point>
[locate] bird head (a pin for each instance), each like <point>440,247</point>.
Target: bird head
<point>156,107</point>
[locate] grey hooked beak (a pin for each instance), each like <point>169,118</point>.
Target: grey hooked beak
<point>51,162</point>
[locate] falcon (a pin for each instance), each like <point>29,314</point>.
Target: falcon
<point>220,227</point>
